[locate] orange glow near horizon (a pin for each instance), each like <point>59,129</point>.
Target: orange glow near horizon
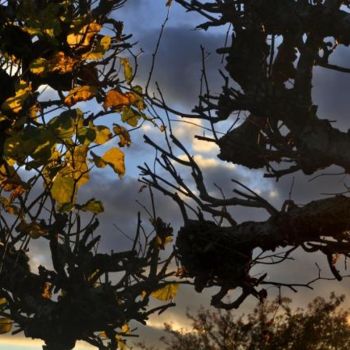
<point>33,343</point>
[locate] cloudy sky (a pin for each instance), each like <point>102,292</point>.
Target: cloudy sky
<point>177,71</point>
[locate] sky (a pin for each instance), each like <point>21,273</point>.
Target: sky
<point>177,70</point>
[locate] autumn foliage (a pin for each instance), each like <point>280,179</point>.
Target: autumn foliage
<point>64,67</point>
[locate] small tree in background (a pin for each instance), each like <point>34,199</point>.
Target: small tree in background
<point>271,326</point>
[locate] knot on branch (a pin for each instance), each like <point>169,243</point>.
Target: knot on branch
<point>244,145</point>
<point>208,253</point>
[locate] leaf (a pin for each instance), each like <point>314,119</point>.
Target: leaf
<point>128,74</point>
<point>5,325</point>
<point>15,104</point>
<point>125,328</point>
<point>76,165</point>
<point>33,229</point>
<point>93,206</point>
<point>166,293</point>
<point>46,291</point>
<point>66,124</point>
<point>105,42</point>
<point>9,208</point>
<point>80,93</point>
<point>123,134</point>
<point>42,21</point>
<point>161,242</point>
<point>121,343</point>
<point>61,63</point>
<point>99,51</point>
<point>116,99</point>
<point>39,66</point>
<point>103,134</point>
<point>86,135</point>
<point>62,189</point>
<point>9,179</point>
<point>36,142</point>
<point>84,36</point>
<point>114,158</point>
<point>139,102</point>
<point>130,116</point>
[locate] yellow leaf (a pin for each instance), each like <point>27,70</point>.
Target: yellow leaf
<point>162,241</point>
<point>166,293</point>
<point>15,104</point>
<point>34,111</point>
<point>62,189</point>
<point>125,328</point>
<point>116,99</point>
<point>127,69</point>
<point>5,325</point>
<point>75,166</point>
<point>115,158</point>
<point>99,51</point>
<point>121,343</point>
<point>80,93</point>
<point>84,36</point>
<point>105,42</point>
<point>38,66</point>
<point>103,134</point>
<point>99,162</point>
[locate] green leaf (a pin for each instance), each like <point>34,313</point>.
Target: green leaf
<point>86,135</point>
<point>37,142</point>
<point>62,189</point>
<point>66,124</point>
<point>130,116</point>
<point>93,206</point>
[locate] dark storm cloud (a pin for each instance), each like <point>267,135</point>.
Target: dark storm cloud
<point>120,202</point>
<point>178,62</point>
<point>331,90</point>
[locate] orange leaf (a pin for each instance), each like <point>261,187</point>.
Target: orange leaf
<point>61,63</point>
<point>80,93</point>
<point>116,99</point>
<point>85,35</point>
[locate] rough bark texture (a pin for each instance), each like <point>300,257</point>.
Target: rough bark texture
<point>276,82</point>
<point>275,46</point>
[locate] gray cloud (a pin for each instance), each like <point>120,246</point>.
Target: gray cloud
<point>178,62</point>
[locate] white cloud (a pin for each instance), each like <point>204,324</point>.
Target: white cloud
<point>204,146</point>
<point>208,162</point>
